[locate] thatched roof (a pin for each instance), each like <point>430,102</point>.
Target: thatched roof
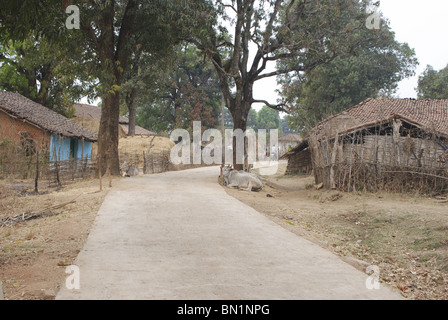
<point>431,114</point>
<point>89,111</point>
<point>24,109</point>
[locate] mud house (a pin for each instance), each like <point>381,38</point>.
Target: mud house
<point>33,127</point>
<point>398,144</point>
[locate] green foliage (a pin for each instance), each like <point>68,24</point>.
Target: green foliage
<point>368,71</point>
<point>265,119</point>
<point>252,119</point>
<point>433,84</point>
<point>268,118</point>
<point>41,71</point>
<point>184,92</point>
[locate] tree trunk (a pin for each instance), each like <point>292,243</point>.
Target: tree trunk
<point>132,120</point>
<point>240,116</point>
<point>132,113</point>
<point>108,135</point>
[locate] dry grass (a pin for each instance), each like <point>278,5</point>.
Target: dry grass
<point>406,236</point>
<point>33,253</point>
<point>140,144</point>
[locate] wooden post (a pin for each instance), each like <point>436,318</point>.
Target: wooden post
<point>396,136</point>
<point>56,164</point>
<point>82,158</point>
<point>99,173</point>
<point>223,132</point>
<point>333,161</point>
<point>36,183</point>
<point>110,177</point>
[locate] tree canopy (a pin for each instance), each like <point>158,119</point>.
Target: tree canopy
<point>44,72</point>
<point>433,84</point>
<point>297,36</point>
<point>111,33</point>
<point>372,70</point>
<point>186,91</point>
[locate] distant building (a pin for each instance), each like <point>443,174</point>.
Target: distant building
<point>85,111</point>
<point>34,127</point>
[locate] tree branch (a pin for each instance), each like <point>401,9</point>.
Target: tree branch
<point>227,6</point>
<point>282,107</point>
<point>279,72</point>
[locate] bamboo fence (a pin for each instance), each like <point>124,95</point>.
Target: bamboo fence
<point>391,156</point>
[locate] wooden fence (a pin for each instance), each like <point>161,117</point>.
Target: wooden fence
<point>16,164</point>
<point>391,157</point>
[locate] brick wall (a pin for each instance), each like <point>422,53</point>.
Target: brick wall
<point>10,128</point>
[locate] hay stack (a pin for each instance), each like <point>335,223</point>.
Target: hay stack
<point>131,149</point>
<point>94,125</point>
<point>140,144</point>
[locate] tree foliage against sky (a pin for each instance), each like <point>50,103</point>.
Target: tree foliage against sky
<point>372,70</point>
<point>44,72</point>
<point>433,84</point>
<point>296,36</point>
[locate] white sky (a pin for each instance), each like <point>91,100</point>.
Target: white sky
<point>421,24</point>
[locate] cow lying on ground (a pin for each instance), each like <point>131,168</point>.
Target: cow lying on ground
<point>129,171</point>
<point>241,180</point>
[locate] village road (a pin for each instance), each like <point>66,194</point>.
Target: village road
<point>180,236</point>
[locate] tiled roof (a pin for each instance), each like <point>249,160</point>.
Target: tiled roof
<point>89,111</point>
<point>432,114</point>
<point>25,109</point>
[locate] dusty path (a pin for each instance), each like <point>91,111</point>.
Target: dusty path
<point>179,235</point>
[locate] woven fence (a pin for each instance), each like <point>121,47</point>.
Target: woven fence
<point>155,162</point>
<point>392,156</point>
<point>18,164</point>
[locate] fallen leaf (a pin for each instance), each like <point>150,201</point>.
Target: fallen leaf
<point>403,287</point>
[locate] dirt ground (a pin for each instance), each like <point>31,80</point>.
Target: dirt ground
<point>34,254</point>
<point>406,236</point>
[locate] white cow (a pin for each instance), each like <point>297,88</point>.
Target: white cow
<point>241,179</point>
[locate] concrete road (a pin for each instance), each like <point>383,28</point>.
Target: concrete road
<point>179,236</point>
